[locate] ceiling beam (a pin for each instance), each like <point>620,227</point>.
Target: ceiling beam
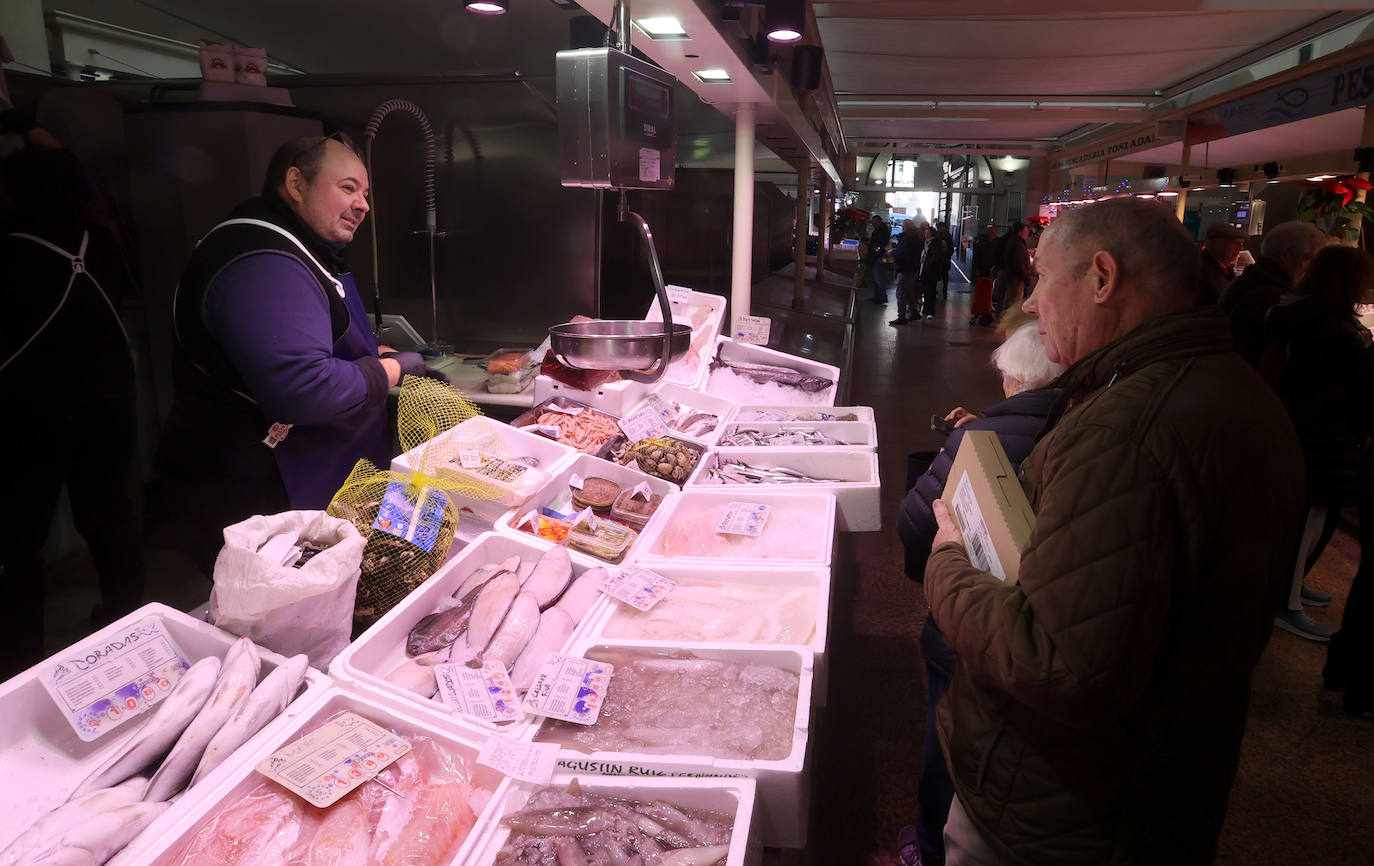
<point>1126,99</point>
<point>1018,8</point>
<point>1023,115</point>
<point>911,148</point>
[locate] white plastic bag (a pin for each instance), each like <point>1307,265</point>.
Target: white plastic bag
<point>289,610</point>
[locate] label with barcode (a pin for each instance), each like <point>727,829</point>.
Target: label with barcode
<point>483,693</point>
<point>640,588</point>
<point>569,688</point>
<point>643,423</point>
<point>332,760</point>
<point>977,538</point>
<point>743,518</point>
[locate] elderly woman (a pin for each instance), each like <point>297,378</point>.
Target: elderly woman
<point>1026,372</point>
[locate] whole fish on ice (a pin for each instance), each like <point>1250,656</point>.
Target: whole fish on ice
<point>490,609</point>
<point>265,703</point>
<point>765,373</point>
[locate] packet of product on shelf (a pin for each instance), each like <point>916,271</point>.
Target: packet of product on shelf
<point>100,685</point>
<point>483,693</point>
<point>640,588</point>
<point>413,514</point>
<point>528,762</point>
<point>569,688</point>
<point>753,329</point>
<point>643,423</point>
<point>332,760</point>
<point>743,518</point>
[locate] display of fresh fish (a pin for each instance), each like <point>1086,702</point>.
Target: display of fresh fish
<point>490,609</point>
<point>417,674</point>
<point>486,573</point>
<point>343,837</point>
<point>259,829</point>
<point>738,472</point>
<point>516,630</point>
<point>264,704</point>
<point>550,576</point>
<point>744,437</point>
<point>578,598</point>
<point>166,722</point>
<point>238,676</point>
<point>57,822</point>
<point>696,423</point>
<point>440,629</point>
<point>555,627</point>
<point>764,373</point>
<point>99,837</point>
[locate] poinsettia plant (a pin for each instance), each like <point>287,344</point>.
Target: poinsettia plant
<point>1330,205</point>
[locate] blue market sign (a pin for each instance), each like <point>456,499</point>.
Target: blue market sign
<point>1335,89</point>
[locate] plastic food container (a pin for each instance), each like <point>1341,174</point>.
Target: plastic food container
<point>633,510</point>
<point>597,493</point>
<point>509,360</point>
<point>608,541</point>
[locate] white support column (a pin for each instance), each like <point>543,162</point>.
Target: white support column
<point>742,253</point>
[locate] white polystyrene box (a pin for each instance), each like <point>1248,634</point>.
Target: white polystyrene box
<point>588,466</point>
<point>497,437</point>
<point>856,435</point>
<point>856,488</point>
<point>598,623</point>
<point>707,502</point>
<point>703,337</point>
<point>489,785</point>
<point>784,789</point>
<point>701,401</point>
<point>365,663</point>
<point>614,398</point>
<point>732,795</point>
<point>45,760</point>
<point>730,350</point>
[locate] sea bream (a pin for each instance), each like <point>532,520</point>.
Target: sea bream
<point>550,576</point>
<point>60,820</point>
<point>98,838</point>
<point>765,373</point>
<point>264,704</point>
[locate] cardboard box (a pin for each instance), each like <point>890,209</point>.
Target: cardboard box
<point>986,499</point>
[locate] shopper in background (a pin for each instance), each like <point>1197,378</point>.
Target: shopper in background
<point>876,261</point>
<point>985,254</point>
<point>1221,246</point>
<point>1097,709</point>
<point>67,376</point>
<point>1013,268</point>
<point>1285,253</point>
<point>1327,385</point>
<point>933,264</point>
<point>907,261</point>
<point>279,387</point>
<point>1016,420</point>
<point>947,246</point>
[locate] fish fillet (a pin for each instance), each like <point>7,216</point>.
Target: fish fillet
<point>256,831</point>
<point>440,821</point>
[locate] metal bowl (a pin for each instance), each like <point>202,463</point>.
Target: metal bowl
<point>616,344</point>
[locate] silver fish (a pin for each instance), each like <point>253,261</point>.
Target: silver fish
<point>485,574</point>
<point>555,627</point>
<point>578,598</point>
<point>737,472</point>
<point>515,632</point>
<point>442,628</point>
<point>765,373</point>
<point>168,720</point>
<point>550,577</point>
<point>98,838</point>
<point>266,702</point>
<point>417,674</point>
<point>238,676</point>
<point>59,820</point>
<point>490,609</point>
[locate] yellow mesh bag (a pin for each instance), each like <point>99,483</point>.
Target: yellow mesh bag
<point>408,518</point>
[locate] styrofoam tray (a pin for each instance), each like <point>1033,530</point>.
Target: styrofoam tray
<point>745,413</point>
<point>856,492</point>
<point>489,786</point>
<point>588,466</point>
<point>783,784</point>
<point>684,516</point>
<point>45,760</point>
<point>734,795</point>
<point>701,401</point>
<point>703,336</point>
<point>598,623</point>
<point>613,398</point>
<point>366,662</point>
<point>492,436</point>
<point>730,350</point>
<point>855,434</point>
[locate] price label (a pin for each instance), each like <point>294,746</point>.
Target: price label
<point>484,693</point>
<point>575,481</point>
<point>414,514</point>
<point>643,423</point>
<point>529,518</point>
<point>469,458</point>
<point>649,160</point>
<point>640,588</point>
<point>642,491</point>
<point>545,430</point>
<point>564,410</point>
<point>528,762</point>
<point>678,294</point>
<point>326,764</point>
<point>743,518</point>
<point>753,329</point>
<point>102,684</point>
<point>587,516</point>
<point>569,688</point>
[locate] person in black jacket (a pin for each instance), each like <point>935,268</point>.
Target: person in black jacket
<point>907,259</point>
<point>877,259</point>
<point>933,265</point>
<point>1017,420</point>
<point>1013,268</point>
<point>1286,251</point>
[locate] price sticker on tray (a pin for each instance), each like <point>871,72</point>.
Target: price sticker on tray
<point>483,693</point>
<point>678,294</point>
<point>569,688</point>
<point>470,458</point>
<point>753,329</point>
<point>743,518</point>
<point>643,423</point>
<point>528,762</point>
<point>100,685</point>
<point>640,588</point>
<point>332,760</point>
<point>642,491</point>
<point>575,481</point>
<point>586,516</point>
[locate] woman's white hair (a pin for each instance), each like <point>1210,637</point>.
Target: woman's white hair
<point>1022,357</point>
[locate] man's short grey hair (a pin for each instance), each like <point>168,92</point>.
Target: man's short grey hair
<point>1151,248</point>
<point>1303,239</point>
<point>1022,357</point>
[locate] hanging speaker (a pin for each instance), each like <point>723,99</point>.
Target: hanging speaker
<point>806,67</point>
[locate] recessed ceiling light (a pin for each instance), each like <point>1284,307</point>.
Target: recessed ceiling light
<point>488,7</point>
<point>786,19</point>
<point>712,76</point>
<point>1168,193</point>
<point>1319,177</point>
<point>662,28</point>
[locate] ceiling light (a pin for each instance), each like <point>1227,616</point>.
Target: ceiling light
<point>785,20</point>
<point>712,76</point>
<point>1144,195</point>
<point>488,7</point>
<point>1320,177</point>
<point>1168,193</point>
<point>662,28</point>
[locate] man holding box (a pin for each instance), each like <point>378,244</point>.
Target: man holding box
<point>1097,711</point>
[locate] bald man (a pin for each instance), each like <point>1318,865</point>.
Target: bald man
<point>1097,710</point>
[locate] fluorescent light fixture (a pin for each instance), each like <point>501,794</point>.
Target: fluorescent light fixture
<point>712,76</point>
<point>1271,181</point>
<point>662,28</point>
<point>784,34</point>
<point>1144,195</point>
<point>1168,193</point>
<point>1320,177</point>
<point>488,7</point>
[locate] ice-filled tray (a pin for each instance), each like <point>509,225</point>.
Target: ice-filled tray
<point>688,399</point>
<point>46,761</point>
<point>764,605</point>
<point>799,382</point>
<point>488,786</point>
<point>749,413</point>
<point>367,661</point>
<point>855,483</point>
<point>783,784</point>
<point>852,435</point>
<point>733,796</point>
<point>800,529</point>
<point>485,436</point>
<point>705,312</point>
<point>589,467</point>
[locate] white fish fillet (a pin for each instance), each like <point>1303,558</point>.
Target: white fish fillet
<point>550,577</point>
<point>555,627</point>
<point>156,736</point>
<point>490,610</point>
<point>59,820</point>
<point>238,675</point>
<point>100,837</point>
<point>578,598</point>
<point>516,630</point>
<point>276,690</point>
